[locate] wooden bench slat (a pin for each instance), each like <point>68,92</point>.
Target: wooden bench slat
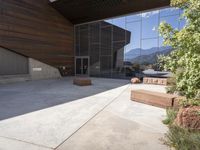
<point>153,98</point>
<point>155,93</point>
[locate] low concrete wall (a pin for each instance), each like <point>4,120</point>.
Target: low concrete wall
<point>39,70</point>
<point>12,63</point>
<point>14,78</point>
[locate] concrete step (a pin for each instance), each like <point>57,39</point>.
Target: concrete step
<point>14,78</point>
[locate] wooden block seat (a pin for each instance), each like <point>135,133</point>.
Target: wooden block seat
<point>162,100</point>
<point>82,81</point>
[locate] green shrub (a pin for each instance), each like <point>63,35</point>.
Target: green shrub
<point>171,115</point>
<point>172,85</point>
<point>171,89</point>
<point>184,63</point>
<point>182,139</point>
<point>179,138</point>
<point>184,60</point>
<point>190,102</point>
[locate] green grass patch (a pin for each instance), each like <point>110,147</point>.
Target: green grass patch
<point>182,139</point>
<point>179,138</point>
<point>171,115</point>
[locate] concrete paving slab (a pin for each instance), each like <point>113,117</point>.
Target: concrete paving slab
<point>11,144</point>
<point>37,95</point>
<point>110,132</point>
<point>124,124</point>
<point>57,114</point>
<point>146,115</point>
<point>51,126</point>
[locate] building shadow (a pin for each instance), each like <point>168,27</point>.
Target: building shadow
<point>25,97</point>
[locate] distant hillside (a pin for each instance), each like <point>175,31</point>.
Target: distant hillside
<point>136,52</point>
<point>150,58</point>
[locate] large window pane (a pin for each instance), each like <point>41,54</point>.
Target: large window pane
<point>120,22</point>
<point>109,21</point>
<point>133,48</point>
<point>150,45</point>
<point>77,46</point>
<point>106,40</point>
<point>118,59</point>
<point>150,24</point>
<point>84,42</point>
<point>105,66</point>
<point>149,53</point>
<point>94,59</point>
<point>95,33</point>
<point>169,12</point>
<point>135,17</point>
<point>118,34</point>
<point>172,20</point>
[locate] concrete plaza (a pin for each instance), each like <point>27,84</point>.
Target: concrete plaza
<point>55,114</point>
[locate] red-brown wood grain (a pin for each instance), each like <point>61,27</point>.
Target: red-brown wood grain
<point>35,29</point>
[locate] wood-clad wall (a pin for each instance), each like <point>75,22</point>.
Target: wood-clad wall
<point>35,29</point>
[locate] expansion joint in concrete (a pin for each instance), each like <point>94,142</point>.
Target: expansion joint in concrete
<point>90,119</point>
<point>14,139</point>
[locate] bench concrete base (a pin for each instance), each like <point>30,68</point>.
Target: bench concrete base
<point>162,100</point>
<point>82,81</point>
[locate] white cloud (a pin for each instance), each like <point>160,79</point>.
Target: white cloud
<point>148,14</point>
<point>154,28</point>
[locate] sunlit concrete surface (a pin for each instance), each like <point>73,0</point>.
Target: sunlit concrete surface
<point>55,114</point>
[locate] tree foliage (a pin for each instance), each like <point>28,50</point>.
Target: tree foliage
<point>184,60</point>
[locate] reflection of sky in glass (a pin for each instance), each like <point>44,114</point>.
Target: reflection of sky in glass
<point>109,21</point>
<point>120,22</point>
<point>131,18</point>
<point>169,11</point>
<point>172,20</point>
<point>182,23</point>
<point>160,42</point>
<point>134,27</point>
<point>144,27</point>
<point>149,43</point>
<point>150,24</point>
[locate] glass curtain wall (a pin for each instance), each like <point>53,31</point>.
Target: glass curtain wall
<point>126,46</point>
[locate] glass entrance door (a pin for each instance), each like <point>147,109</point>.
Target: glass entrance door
<point>82,66</point>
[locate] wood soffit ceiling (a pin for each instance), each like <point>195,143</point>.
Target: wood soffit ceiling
<point>82,11</point>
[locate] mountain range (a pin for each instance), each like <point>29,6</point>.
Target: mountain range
<point>136,52</point>
<point>147,55</point>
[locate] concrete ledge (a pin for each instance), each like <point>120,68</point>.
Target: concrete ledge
<point>162,100</point>
<point>14,78</point>
<point>39,70</point>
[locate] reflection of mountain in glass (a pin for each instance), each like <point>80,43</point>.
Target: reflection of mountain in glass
<point>147,55</point>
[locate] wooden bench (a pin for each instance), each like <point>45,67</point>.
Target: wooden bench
<point>82,81</point>
<point>162,100</point>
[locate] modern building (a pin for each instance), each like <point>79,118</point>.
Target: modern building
<point>108,38</point>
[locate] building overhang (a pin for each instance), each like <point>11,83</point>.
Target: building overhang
<point>82,11</point>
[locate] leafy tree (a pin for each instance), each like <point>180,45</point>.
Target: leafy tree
<point>184,60</point>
